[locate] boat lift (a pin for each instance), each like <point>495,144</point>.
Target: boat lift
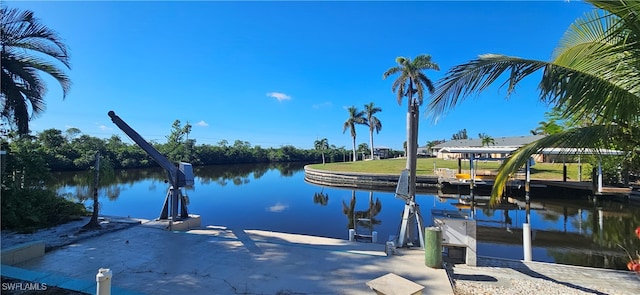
<point>411,216</point>
<point>179,176</point>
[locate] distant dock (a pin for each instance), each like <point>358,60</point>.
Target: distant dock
<point>447,183</point>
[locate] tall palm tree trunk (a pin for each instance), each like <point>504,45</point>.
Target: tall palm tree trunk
<point>354,149</point>
<point>411,140</point>
<point>412,126</point>
<point>371,142</point>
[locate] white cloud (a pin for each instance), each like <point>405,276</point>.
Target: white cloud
<point>322,105</point>
<point>104,127</point>
<point>279,96</point>
<point>278,207</point>
<point>202,123</point>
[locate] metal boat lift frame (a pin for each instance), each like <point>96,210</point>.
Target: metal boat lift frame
<point>179,176</point>
<point>411,216</point>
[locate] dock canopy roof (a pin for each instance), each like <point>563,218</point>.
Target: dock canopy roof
<point>546,151</point>
<point>580,151</point>
<point>490,150</point>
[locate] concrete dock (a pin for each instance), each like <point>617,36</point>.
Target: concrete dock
<point>146,259</point>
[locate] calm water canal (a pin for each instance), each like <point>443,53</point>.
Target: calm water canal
<point>276,197</point>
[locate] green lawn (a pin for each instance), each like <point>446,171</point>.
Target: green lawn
<point>426,167</point>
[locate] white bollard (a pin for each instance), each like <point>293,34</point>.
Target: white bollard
<point>352,234</point>
<point>103,278</point>
<point>526,241</point>
<point>374,237</point>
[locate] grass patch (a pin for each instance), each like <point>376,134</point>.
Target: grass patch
<point>425,166</point>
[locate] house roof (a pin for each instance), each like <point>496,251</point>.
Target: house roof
<point>513,141</point>
<point>546,151</point>
<point>486,149</point>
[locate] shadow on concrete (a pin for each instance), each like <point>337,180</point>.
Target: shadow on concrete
<point>476,278</point>
<point>247,241</point>
<point>521,267</point>
<point>228,261</point>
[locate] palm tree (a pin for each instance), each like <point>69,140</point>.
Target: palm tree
<point>593,74</point>
<point>374,123</point>
<point>551,126</point>
<point>486,139</point>
<point>404,147</point>
<point>355,117</point>
<point>412,81</point>
<point>321,145</point>
<point>26,47</point>
<point>547,128</point>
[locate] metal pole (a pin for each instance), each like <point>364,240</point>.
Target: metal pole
<point>564,169</point>
<point>526,227</point>
<point>599,175</point>
<point>579,169</point>
<point>527,181</point>
<point>472,172</point>
<point>526,241</point>
<point>174,202</point>
<point>402,237</point>
<point>96,184</point>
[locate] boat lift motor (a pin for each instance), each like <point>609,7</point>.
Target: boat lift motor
<point>180,175</point>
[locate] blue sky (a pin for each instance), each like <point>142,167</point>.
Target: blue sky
<point>278,73</point>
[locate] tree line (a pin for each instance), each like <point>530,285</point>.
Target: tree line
<point>71,150</point>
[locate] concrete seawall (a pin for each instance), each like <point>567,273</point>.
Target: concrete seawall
<point>363,180</point>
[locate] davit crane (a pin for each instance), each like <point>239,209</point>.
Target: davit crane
<point>180,175</point>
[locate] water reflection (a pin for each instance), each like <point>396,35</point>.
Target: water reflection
<point>362,221</point>
<point>321,198</point>
<point>239,174</point>
<point>576,232</point>
<point>275,197</point>
<point>278,207</point>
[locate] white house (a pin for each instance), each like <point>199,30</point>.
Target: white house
<point>506,143</point>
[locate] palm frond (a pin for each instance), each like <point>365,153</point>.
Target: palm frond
<point>627,11</point>
<point>391,71</point>
<point>375,125</point>
<point>52,70</point>
<point>590,29</point>
<point>584,93</point>
<point>423,62</point>
<point>20,29</point>
<point>345,126</point>
<point>21,73</point>
<point>411,80</point>
<point>26,47</point>
<point>477,75</point>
